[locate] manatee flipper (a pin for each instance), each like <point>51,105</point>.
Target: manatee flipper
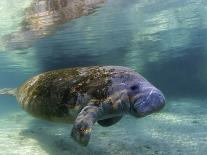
<point>109,121</point>
<point>82,127</point>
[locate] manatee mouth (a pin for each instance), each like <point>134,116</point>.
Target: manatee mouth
<point>150,103</point>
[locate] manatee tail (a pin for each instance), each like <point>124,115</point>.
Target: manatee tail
<point>8,91</point>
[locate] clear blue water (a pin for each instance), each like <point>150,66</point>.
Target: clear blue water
<point>164,40</point>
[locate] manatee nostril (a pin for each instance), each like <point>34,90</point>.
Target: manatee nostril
<point>154,102</point>
<point>159,101</point>
<point>149,103</point>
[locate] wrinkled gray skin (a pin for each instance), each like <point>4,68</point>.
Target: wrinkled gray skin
<point>87,95</point>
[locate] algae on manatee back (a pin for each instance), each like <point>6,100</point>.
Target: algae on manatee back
<point>87,95</point>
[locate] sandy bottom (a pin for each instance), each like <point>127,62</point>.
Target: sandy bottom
<point>180,129</point>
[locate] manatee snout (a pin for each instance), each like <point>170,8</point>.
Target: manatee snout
<point>152,101</point>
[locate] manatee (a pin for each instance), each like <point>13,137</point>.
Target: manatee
<point>43,16</point>
<point>86,95</point>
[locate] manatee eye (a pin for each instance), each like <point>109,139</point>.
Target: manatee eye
<point>134,87</point>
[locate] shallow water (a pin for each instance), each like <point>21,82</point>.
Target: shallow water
<point>164,40</point>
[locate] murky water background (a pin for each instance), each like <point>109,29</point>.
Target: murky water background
<point>164,40</point>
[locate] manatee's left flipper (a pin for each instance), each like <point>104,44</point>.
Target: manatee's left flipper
<point>109,121</point>
<point>82,128</point>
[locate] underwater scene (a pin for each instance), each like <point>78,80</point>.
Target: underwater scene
<point>163,40</point>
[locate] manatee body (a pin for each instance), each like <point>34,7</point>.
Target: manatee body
<point>87,95</point>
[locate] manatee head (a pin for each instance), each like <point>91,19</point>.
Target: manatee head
<point>145,99</point>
